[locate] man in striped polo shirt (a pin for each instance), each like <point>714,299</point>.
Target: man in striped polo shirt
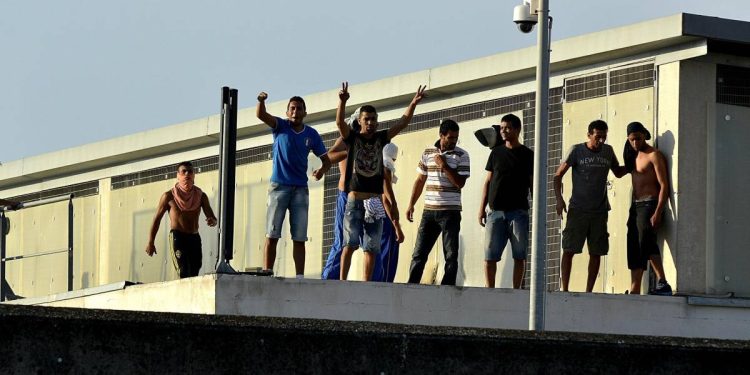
<point>444,168</point>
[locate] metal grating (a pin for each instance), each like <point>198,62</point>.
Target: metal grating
<point>588,87</point>
<point>554,154</point>
<point>631,78</point>
<point>733,85</point>
<point>79,190</point>
<point>211,163</point>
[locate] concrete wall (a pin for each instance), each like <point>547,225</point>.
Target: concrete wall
<point>244,295</point>
<point>43,340</point>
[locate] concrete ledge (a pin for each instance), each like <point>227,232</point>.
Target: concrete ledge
<point>428,305</point>
<point>59,340</point>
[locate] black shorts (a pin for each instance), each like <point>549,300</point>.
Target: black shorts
<point>186,253</point>
<point>641,235</point>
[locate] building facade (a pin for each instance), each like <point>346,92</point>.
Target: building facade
<point>685,77</point>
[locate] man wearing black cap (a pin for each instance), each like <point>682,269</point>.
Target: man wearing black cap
<point>650,193</point>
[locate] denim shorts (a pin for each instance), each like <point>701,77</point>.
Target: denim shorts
<point>281,198</point>
<point>355,227</point>
<point>504,226</point>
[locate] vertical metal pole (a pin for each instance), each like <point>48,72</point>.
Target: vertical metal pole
<point>70,243</point>
<point>2,256</point>
<point>539,226</point>
<point>228,145</point>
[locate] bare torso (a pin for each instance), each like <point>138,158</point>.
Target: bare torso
<point>645,183</point>
<point>183,221</point>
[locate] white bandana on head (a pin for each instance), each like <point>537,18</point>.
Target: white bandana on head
<point>390,152</point>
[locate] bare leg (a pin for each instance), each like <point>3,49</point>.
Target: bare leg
<point>594,261</point>
<point>298,252</point>
<point>658,267</point>
<point>635,281</point>
<point>490,269</point>
<point>369,265</point>
<point>270,253</point>
<point>565,265</point>
<point>519,268</point>
<point>346,261</point>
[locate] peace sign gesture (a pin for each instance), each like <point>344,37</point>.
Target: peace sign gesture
<point>344,93</point>
<point>419,95</point>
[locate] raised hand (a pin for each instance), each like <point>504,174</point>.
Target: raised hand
<point>344,93</point>
<point>262,96</point>
<point>420,94</point>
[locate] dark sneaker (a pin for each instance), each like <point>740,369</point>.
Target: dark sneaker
<point>662,289</point>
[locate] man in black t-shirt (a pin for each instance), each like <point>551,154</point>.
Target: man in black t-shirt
<point>506,189</point>
<point>364,176</point>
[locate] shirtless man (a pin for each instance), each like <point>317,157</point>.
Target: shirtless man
<point>650,194</point>
<point>184,203</point>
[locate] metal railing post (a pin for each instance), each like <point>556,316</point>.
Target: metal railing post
<point>227,161</point>
<point>70,243</point>
<point>2,256</point>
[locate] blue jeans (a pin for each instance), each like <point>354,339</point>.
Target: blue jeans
<point>387,261</point>
<point>332,269</point>
<point>385,264</point>
<point>359,232</point>
<point>503,226</point>
<point>287,197</point>
<point>434,222</point>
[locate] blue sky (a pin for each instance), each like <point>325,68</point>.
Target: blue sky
<point>75,72</point>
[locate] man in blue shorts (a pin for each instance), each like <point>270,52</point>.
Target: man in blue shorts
<point>292,142</point>
<point>510,170</point>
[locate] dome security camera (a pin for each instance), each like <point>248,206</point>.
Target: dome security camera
<point>524,17</point>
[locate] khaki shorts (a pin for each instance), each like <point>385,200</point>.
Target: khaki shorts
<point>586,227</point>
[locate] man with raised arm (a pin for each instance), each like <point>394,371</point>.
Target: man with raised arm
<point>648,170</point>
<point>292,142</point>
<point>589,207</point>
<point>365,175</point>
<point>184,203</point>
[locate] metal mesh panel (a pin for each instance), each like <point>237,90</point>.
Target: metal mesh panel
<point>80,190</point>
<point>588,87</point>
<point>632,78</point>
<point>554,154</point>
<point>733,85</point>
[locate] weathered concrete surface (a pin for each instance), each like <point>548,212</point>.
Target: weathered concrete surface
<point>412,304</point>
<point>61,340</point>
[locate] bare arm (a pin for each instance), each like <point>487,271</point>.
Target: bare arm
<point>660,167</point>
<point>483,200</point>
<point>160,210</point>
<point>416,191</point>
<point>260,111</point>
<point>210,217</point>
<point>408,114</point>
<point>389,198</point>
<point>338,152</point>
<point>340,119</point>
<point>560,207</point>
<point>318,173</point>
<point>619,171</point>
